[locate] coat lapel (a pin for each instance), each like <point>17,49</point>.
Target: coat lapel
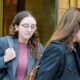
<point>15,61</point>
<point>31,61</point>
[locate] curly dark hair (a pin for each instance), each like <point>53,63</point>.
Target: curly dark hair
<point>34,41</point>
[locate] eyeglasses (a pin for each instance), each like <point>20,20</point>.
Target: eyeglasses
<point>33,26</point>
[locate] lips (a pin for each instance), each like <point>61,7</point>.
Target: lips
<point>27,33</point>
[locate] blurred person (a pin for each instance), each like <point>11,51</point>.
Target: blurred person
<point>17,62</point>
<point>61,59</point>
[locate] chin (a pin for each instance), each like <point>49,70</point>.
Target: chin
<point>27,37</point>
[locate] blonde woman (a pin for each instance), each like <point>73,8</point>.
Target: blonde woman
<point>61,59</point>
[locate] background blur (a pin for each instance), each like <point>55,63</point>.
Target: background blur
<point>47,13</point>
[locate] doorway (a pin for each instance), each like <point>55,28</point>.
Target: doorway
<point>45,12</point>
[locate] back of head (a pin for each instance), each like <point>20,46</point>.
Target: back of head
<point>65,30</point>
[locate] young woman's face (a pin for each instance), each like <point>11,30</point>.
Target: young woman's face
<point>26,28</point>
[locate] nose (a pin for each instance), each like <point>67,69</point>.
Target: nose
<point>29,29</point>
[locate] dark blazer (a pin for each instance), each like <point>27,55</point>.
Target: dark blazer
<point>10,68</point>
<point>57,63</point>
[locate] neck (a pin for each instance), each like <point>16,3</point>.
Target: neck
<point>23,40</point>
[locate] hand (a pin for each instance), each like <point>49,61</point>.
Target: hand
<point>9,55</point>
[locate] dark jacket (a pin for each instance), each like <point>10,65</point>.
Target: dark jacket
<point>9,69</point>
<point>57,63</point>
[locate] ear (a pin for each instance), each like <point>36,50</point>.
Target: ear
<point>16,27</point>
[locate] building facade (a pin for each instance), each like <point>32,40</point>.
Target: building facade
<point>47,13</point>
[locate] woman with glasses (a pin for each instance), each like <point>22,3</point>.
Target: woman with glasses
<point>16,63</point>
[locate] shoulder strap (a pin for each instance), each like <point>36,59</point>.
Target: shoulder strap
<point>10,41</point>
<point>33,72</point>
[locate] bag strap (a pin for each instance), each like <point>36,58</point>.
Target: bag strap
<point>34,71</point>
<point>10,41</point>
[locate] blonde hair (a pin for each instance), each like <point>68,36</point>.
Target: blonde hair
<point>65,31</point>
